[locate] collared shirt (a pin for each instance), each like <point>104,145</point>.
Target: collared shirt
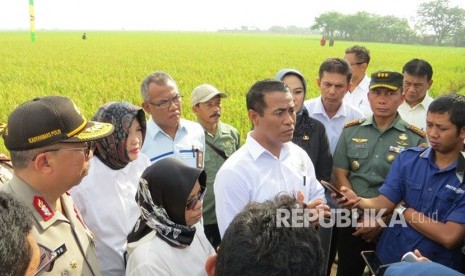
<point>152,256</point>
<point>253,173</point>
<point>106,199</point>
<point>52,229</point>
<point>416,179</point>
<point>367,152</point>
<point>358,98</point>
<point>188,144</point>
<point>227,140</point>
<point>415,115</point>
<point>335,125</point>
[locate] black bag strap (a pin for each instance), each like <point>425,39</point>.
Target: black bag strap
<point>217,150</point>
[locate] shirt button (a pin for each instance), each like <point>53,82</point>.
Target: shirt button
<point>65,273</point>
<point>429,189</point>
<point>376,156</point>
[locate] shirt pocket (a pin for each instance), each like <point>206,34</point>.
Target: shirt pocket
<point>413,192</point>
<point>445,199</point>
<point>357,152</point>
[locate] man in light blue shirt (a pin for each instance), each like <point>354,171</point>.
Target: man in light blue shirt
<point>168,135</point>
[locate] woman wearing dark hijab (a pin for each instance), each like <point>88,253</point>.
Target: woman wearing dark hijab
<point>168,238</point>
<point>309,133</point>
<point>105,196</point>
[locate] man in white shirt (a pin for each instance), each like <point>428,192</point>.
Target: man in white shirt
<point>329,108</point>
<point>418,76</point>
<point>268,163</point>
<point>358,57</point>
<point>168,135</point>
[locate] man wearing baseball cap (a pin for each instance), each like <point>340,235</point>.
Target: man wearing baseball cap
<point>221,141</point>
<point>363,157</point>
<point>50,145</point>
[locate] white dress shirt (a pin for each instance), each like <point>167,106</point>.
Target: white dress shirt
<point>106,200</point>
<point>359,97</point>
<point>188,144</point>
<point>152,256</point>
<point>335,125</point>
<point>253,173</point>
<point>415,115</point>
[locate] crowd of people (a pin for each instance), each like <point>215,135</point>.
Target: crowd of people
<point>139,190</point>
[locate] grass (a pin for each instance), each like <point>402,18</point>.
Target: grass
<point>110,66</point>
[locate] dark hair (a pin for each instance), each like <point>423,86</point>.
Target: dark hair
<point>255,98</point>
<point>419,68</point>
<point>15,225</point>
<point>336,65</point>
<point>254,244</point>
<point>451,103</point>
<point>362,53</point>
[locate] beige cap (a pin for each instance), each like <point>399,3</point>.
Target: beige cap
<point>205,92</point>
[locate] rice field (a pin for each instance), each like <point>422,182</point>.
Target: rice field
<point>110,66</point>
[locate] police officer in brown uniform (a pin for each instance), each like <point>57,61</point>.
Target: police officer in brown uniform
<point>363,156</point>
<point>49,143</point>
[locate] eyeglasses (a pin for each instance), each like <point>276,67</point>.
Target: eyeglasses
<point>357,63</point>
<point>191,203</point>
<point>165,104</point>
<point>48,258</point>
<point>90,146</point>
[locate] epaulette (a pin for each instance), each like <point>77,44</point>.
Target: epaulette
<point>354,122</point>
<point>417,130</point>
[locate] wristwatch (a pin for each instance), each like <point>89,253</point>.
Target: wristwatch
<point>400,209</point>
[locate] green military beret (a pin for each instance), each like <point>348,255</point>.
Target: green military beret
<point>388,79</point>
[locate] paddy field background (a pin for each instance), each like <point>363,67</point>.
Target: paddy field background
<point>109,66</point>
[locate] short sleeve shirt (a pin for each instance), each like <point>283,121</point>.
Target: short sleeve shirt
<point>416,179</point>
<point>367,152</point>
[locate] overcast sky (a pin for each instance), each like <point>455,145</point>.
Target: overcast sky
<point>189,15</point>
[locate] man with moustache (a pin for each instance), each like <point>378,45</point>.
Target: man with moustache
<point>222,140</point>
<point>268,163</point>
<point>50,147</point>
<point>169,135</point>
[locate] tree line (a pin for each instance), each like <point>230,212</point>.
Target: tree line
<point>436,24</point>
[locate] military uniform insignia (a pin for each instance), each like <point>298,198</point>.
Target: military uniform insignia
<point>390,158</point>
<point>403,137</point>
<point>354,122</point>
<point>417,131</point>
<point>306,138</point>
<point>355,166</point>
<point>42,208</point>
<point>398,149</point>
<point>359,140</point>
<point>73,264</point>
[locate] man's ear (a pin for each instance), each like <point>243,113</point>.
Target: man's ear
<point>253,115</point>
<point>210,264</point>
<point>146,107</point>
<point>41,163</point>
<point>195,109</point>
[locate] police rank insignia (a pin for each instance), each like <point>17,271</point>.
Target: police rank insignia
<point>42,207</point>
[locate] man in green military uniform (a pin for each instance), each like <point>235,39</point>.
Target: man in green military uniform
<point>363,156</point>
<point>221,140</point>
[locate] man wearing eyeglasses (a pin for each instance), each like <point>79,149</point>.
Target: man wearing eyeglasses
<point>50,146</point>
<point>169,135</point>
<point>363,157</point>
<point>358,57</point>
